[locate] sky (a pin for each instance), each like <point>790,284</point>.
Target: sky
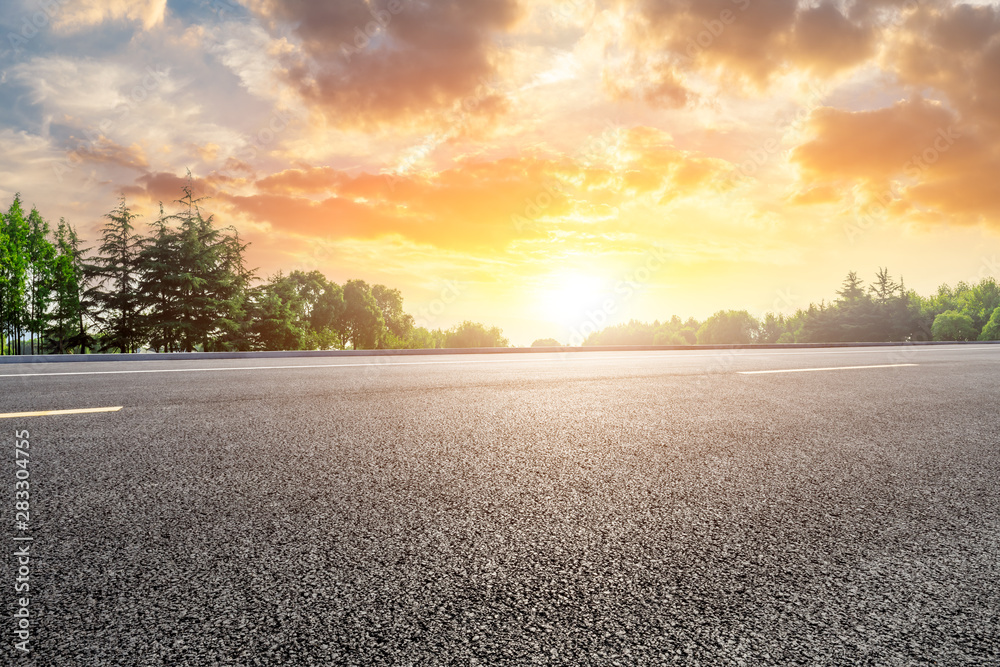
<point>548,167</point>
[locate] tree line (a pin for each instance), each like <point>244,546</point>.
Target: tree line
<point>882,311</point>
<point>185,286</point>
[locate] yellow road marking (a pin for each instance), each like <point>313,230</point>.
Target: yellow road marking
<point>46,413</point>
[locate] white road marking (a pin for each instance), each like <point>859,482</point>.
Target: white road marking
<point>46,413</point>
<point>832,368</point>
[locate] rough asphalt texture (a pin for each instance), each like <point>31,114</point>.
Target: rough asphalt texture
<point>604,509</point>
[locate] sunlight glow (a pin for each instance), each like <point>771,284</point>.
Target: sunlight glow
<point>566,296</point>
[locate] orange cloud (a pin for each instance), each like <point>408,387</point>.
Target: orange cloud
<point>820,194</point>
<point>874,145</point>
<point>918,150</point>
<point>955,50</point>
<point>825,41</point>
<point>476,205</point>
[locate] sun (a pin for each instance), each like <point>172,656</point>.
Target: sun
<point>565,297</point>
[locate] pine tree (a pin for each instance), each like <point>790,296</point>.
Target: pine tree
<point>206,286</point>
<point>160,287</point>
<point>116,274</point>
<point>234,323</point>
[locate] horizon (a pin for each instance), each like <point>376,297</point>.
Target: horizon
<point>675,161</point>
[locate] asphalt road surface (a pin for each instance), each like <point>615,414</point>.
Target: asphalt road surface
<point>586,509</point>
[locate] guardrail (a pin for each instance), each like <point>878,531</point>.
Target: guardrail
<point>160,356</point>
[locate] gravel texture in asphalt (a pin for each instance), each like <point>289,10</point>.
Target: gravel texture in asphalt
<point>603,509</point>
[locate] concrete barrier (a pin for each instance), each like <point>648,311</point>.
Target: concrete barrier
<point>173,356</point>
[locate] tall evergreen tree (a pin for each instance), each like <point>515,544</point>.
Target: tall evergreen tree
<point>205,285</point>
<point>116,275</point>
<point>160,286</point>
<point>234,324</point>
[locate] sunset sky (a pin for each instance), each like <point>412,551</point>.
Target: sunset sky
<point>533,165</point>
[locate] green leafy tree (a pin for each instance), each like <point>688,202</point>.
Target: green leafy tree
<point>41,256</point>
<point>772,328</point>
<point>4,251</point>
<point>276,309</point>
<point>320,305</point>
<point>425,339</point>
<point>361,321</point>
<point>473,334</point>
<point>851,318</point>
<point>736,327</point>
<point>398,324</point>
<point>892,321</point>
<point>980,301</point>
<point>67,329</point>
<point>546,342</point>
<point>14,271</point>
<point>953,325</point>
<point>991,330</point>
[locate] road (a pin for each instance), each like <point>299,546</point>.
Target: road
<point>591,509</point>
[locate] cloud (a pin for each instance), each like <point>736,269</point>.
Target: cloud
<point>365,63</point>
<point>736,41</point>
<point>917,154</point>
<point>871,145</point>
<point>79,14</point>
<point>825,41</point>
<point>107,152</point>
<point>954,50</point>
<point>476,205</point>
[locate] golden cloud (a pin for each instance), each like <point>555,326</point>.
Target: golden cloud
<point>474,205</point>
